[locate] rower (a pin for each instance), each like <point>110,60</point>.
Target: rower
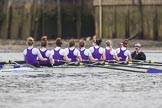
<point>59,54</point>
<point>138,54</point>
<point>123,53</point>
<point>31,54</point>
<point>110,53</point>
<point>72,52</point>
<point>45,52</point>
<point>85,53</point>
<point>97,51</point>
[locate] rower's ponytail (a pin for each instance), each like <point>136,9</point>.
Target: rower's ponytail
<point>97,41</point>
<point>109,44</point>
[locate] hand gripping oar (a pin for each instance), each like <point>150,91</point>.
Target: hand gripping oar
<point>65,63</point>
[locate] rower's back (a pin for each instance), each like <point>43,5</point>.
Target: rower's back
<point>123,53</point>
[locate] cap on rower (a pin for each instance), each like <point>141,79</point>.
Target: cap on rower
<point>138,45</point>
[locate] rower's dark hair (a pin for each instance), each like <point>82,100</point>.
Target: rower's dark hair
<point>125,43</point>
<point>97,41</point>
<point>30,41</point>
<point>71,43</point>
<point>81,43</point>
<point>58,42</point>
<point>44,41</point>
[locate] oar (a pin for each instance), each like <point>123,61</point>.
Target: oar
<point>147,61</point>
<point>110,67</point>
<point>133,36</point>
<point>114,66</point>
<point>130,66</point>
<point>117,63</point>
<point>151,63</point>
<point>147,70</point>
<point>67,63</point>
<point>154,70</point>
<point>16,64</point>
<point>6,62</point>
<point>148,64</point>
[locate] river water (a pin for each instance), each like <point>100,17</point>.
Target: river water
<point>112,89</point>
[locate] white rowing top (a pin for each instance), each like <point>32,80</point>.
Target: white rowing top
<point>101,50</point>
<point>112,52</point>
<point>76,51</point>
<point>61,52</point>
<point>48,52</point>
<point>35,51</point>
<point>86,52</point>
<point>126,53</point>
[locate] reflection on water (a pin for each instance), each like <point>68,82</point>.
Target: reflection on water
<point>115,89</point>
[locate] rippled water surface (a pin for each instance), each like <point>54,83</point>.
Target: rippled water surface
<point>111,89</point>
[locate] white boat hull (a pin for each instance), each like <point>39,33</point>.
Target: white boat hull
<point>31,71</point>
<point>75,69</point>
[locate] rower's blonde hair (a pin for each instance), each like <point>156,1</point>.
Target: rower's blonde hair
<point>30,41</point>
<point>109,44</point>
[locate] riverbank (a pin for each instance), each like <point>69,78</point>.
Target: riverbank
<point>20,45</point>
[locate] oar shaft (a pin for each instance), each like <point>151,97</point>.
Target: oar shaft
<point>109,67</point>
<point>146,61</point>
<point>150,64</point>
<point>130,66</point>
<point>133,36</point>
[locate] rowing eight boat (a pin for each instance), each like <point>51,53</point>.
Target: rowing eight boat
<point>48,70</point>
<point>90,68</point>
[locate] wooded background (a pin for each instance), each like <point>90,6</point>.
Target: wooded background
<point>80,18</point>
